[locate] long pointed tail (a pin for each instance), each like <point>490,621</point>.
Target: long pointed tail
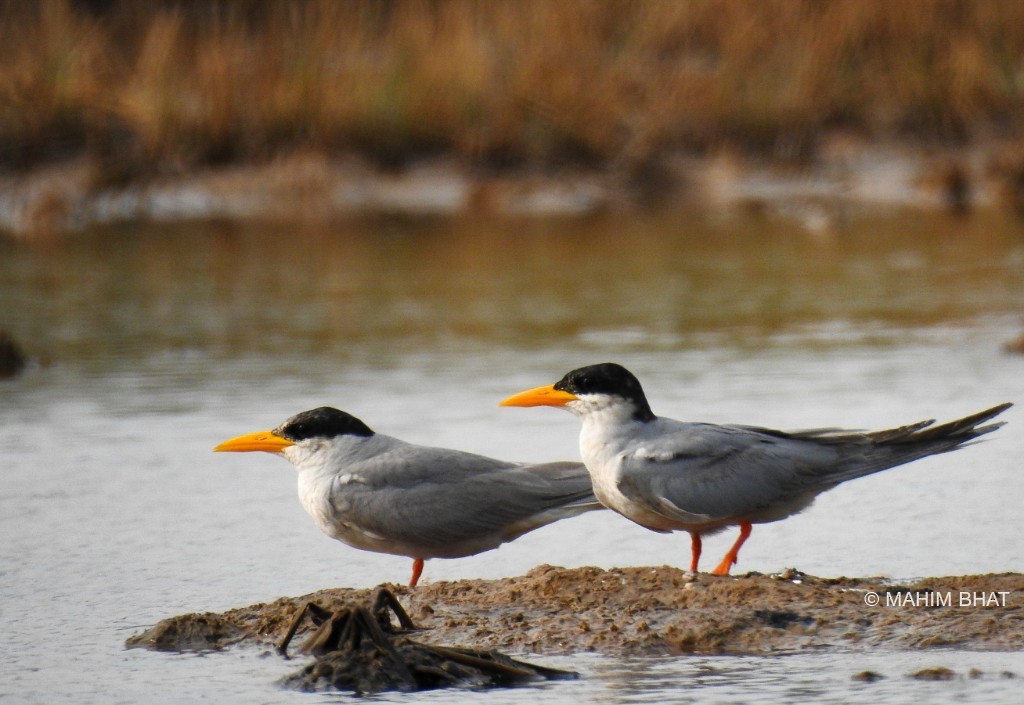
<point>879,450</point>
<point>961,431</point>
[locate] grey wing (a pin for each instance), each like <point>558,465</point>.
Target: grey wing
<point>458,502</point>
<point>705,473</point>
<point>708,472</point>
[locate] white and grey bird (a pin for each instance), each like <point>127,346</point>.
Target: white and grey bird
<point>670,475</point>
<point>378,493</point>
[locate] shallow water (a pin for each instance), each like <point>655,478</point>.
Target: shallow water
<point>163,341</point>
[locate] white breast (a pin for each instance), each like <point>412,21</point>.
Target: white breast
<point>601,447</point>
<point>604,447</point>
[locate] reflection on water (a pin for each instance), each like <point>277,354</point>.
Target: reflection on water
<point>376,290</point>
<point>816,678</point>
<point>166,340</point>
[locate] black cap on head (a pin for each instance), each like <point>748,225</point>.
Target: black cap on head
<point>324,422</point>
<point>608,378</point>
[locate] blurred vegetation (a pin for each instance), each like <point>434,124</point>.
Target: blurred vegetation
<point>151,86</point>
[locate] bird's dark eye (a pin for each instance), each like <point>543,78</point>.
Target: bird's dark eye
<point>324,422</point>
<point>608,378</point>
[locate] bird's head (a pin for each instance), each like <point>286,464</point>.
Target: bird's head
<point>303,435</point>
<point>586,390</point>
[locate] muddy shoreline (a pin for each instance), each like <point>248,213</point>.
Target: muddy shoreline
<point>847,175</point>
<point>657,611</point>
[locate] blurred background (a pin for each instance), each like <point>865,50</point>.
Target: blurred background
<point>214,215</point>
<point>119,111</point>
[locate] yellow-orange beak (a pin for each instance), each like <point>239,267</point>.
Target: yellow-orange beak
<point>261,440</point>
<point>541,396</point>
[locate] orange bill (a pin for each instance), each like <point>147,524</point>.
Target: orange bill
<point>541,396</point>
<point>261,440</point>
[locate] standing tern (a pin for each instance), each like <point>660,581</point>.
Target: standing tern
<point>668,475</point>
<point>379,493</point>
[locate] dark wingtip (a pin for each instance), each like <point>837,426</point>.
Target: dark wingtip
<point>966,428</point>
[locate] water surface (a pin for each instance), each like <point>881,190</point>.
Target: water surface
<point>164,340</point>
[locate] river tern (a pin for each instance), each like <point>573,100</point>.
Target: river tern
<point>669,475</point>
<point>379,493</point>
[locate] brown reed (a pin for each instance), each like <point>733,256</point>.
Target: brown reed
<point>150,86</point>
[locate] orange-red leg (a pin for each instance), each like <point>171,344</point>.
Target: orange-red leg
<point>733,555</point>
<point>417,571</point>
<point>695,548</point>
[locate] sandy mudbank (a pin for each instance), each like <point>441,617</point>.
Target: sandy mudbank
<point>818,195</point>
<point>658,611</point>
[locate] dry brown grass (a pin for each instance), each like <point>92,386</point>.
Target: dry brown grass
<point>155,86</point>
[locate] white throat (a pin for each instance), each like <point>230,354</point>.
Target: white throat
<point>602,408</point>
<point>608,425</point>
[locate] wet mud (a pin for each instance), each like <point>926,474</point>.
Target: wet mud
<point>652,611</point>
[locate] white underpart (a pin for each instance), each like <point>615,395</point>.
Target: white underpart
<point>611,435</point>
<point>317,462</point>
<point>608,430</point>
